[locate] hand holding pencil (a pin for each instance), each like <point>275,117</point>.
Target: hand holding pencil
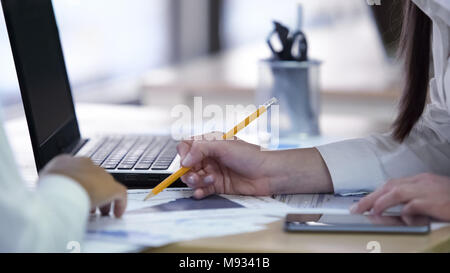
<point>198,171</point>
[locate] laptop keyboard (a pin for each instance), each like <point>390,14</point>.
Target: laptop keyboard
<point>132,152</point>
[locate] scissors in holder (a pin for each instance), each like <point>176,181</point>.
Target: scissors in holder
<point>287,46</point>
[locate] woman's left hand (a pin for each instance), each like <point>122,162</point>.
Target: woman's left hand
<point>423,194</point>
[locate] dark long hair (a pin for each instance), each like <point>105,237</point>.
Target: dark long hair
<point>415,50</point>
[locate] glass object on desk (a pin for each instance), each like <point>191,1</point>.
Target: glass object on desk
<point>296,86</point>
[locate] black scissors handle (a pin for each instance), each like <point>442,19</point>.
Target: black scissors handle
<point>287,43</point>
<point>299,47</point>
<point>282,34</point>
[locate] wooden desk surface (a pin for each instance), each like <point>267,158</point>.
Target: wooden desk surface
<point>274,239</point>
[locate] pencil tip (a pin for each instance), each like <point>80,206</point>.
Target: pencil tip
<point>150,195</point>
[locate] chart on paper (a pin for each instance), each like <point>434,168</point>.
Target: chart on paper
<point>189,203</point>
<point>181,200</point>
<point>174,215</point>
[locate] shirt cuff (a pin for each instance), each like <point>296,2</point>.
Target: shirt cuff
<point>67,193</point>
<point>353,166</point>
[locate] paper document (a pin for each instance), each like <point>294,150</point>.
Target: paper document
<point>174,215</point>
<point>319,203</point>
<point>325,203</point>
<point>180,200</point>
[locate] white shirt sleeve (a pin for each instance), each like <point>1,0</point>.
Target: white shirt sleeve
<point>44,220</point>
<point>365,164</point>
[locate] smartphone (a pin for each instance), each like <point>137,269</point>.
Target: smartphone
<point>356,223</point>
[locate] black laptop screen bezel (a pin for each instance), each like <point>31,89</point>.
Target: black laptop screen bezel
<point>68,134</point>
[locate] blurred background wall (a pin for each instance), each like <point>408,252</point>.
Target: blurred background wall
<point>125,51</point>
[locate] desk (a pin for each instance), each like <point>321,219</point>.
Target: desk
<point>274,239</point>
<point>107,119</point>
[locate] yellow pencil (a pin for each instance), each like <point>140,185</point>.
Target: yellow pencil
<point>173,177</point>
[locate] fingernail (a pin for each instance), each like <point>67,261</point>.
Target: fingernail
<point>209,179</point>
<point>198,194</point>
<point>191,179</point>
<point>353,208</point>
<point>187,161</point>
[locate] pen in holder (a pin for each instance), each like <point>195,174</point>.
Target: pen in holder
<point>294,80</point>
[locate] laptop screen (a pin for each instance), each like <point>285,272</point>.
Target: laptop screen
<point>41,71</point>
<point>44,76</point>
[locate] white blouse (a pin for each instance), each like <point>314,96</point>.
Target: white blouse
<point>365,164</point>
<point>44,220</point>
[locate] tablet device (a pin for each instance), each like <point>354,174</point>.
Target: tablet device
<point>356,223</point>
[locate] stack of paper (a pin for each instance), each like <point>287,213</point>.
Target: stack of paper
<point>175,216</point>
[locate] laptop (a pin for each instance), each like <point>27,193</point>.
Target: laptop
<point>137,161</point>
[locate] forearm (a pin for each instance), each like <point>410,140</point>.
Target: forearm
<point>299,171</point>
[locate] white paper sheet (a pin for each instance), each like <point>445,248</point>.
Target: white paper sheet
<point>325,203</point>
<point>322,203</point>
<point>162,220</point>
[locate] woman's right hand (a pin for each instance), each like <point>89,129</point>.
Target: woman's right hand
<point>237,167</point>
<point>100,186</point>
<point>224,166</point>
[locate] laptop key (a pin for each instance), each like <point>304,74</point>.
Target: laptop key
<point>109,167</point>
<point>160,168</point>
<point>142,167</point>
<point>125,167</point>
<point>97,162</point>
